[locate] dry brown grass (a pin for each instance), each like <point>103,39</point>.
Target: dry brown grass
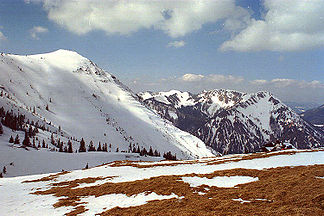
<point>290,191</point>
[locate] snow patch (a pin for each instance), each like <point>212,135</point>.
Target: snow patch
<point>96,205</point>
<point>219,181</point>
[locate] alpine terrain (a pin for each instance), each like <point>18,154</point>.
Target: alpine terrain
<point>315,116</point>
<point>60,102</point>
<point>234,122</point>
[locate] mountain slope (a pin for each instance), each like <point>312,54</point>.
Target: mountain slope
<point>314,116</point>
<point>234,122</point>
<point>78,99</point>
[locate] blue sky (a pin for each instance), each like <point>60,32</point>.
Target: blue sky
<point>243,45</point>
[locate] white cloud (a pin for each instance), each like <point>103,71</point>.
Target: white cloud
<point>176,44</point>
<point>36,30</point>
<point>258,82</point>
<point>175,18</point>
<point>192,77</point>
<point>287,26</point>
<point>211,78</point>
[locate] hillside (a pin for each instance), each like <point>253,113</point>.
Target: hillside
<point>314,116</point>
<point>234,122</point>
<point>69,97</point>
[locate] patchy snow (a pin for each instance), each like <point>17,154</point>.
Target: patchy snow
<point>128,173</point>
<point>241,200</point>
<point>16,199</point>
<point>248,201</point>
<point>103,203</point>
<point>219,181</point>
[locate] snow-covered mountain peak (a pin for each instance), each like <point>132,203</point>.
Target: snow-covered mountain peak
<point>61,59</point>
<point>71,91</point>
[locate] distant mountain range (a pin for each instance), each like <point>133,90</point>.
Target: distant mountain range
<point>301,107</point>
<point>234,122</point>
<point>315,116</point>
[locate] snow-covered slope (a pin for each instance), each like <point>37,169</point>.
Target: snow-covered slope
<point>75,98</point>
<point>234,122</point>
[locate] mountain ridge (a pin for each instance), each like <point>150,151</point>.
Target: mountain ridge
<point>234,122</point>
<point>73,93</point>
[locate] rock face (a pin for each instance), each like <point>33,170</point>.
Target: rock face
<point>234,122</point>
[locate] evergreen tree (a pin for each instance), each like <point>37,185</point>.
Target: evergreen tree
<point>34,143</point>
<point>26,141</point>
<point>150,153</point>
<point>87,166</point>
<point>43,144</point>
<point>52,139</point>
<point>91,147</point>
<point>11,140</point>
<point>17,141</point>
<point>138,150</point>
<point>4,170</point>
<point>105,148</point>
<point>99,147</point>
<point>61,147</point>
<point>82,146</point>
<point>70,149</point>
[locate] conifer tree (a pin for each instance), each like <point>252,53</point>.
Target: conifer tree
<point>91,147</point>
<point>99,147</point>
<point>70,149</point>
<point>150,153</point>
<point>43,144</point>
<point>82,146</point>
<point>87,166</point>
<point>26,141</point>
<point>52,139</point>
<point>17,141</point>
<point>11,139</point>
<point>4,170</point>
<point>34,143</point>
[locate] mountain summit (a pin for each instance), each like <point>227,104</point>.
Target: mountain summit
<point>73,94</point>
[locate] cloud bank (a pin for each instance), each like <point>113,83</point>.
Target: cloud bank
<point>288,25</point>
<point>175,18</point>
